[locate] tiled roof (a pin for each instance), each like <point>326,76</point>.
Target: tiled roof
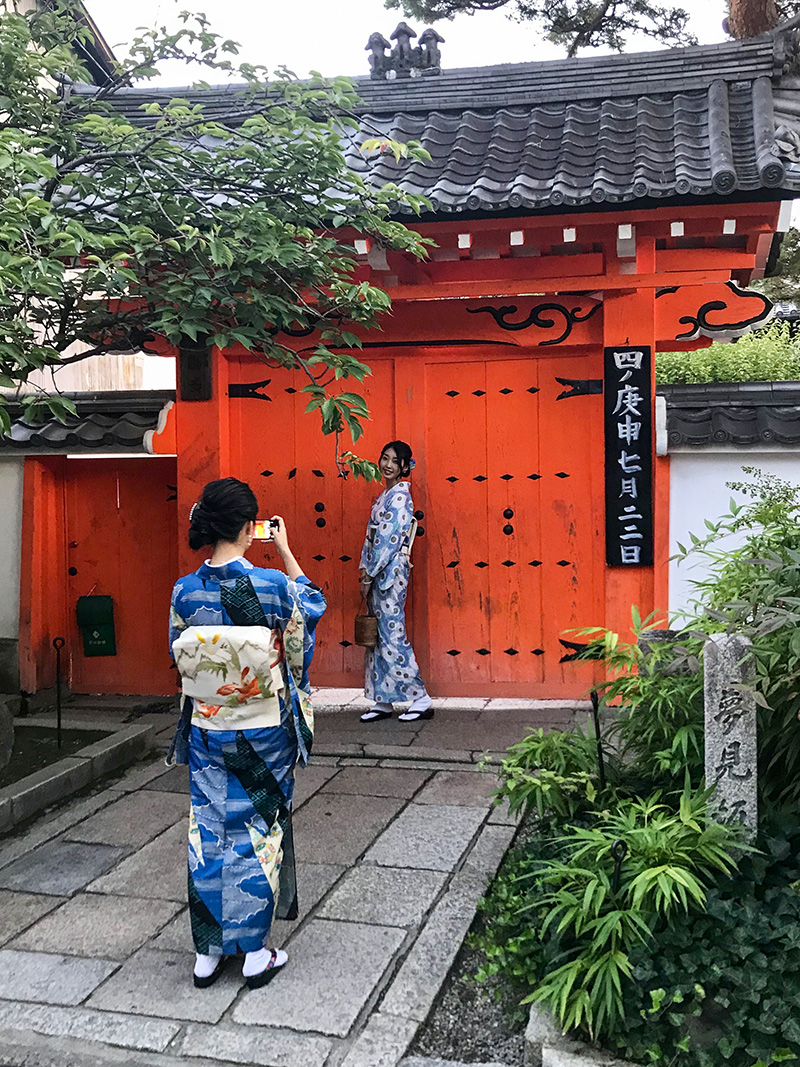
<point>748,413</point>
<point>712,120</point>
<point>106,422</point>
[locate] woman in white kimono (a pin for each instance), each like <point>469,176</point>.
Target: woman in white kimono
<point>392,674</point>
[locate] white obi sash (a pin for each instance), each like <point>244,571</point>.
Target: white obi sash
<point>233,675</point>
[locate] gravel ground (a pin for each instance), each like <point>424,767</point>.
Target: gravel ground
<point>471,1021</point>
<point>468,1024</point>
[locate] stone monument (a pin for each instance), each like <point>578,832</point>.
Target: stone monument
<point>731,754</point>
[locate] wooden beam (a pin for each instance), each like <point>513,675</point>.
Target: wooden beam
<point>744,211</point>
<point>490,270</point>
<point>43,566</point>
<point>532,286</point>
<point>763,249</point>
<point>629,319</point>
<point>676,259</point>
<point>202,431</point>
<point>407,268</point>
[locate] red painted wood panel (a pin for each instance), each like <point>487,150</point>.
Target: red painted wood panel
<point>202,435</point>
<point>571,516</point>
<point>492,593</point>
<point>514,448</point>
<point>487,607</point>
<point>42,608</point>
<point>280,452</point>
<point>502,589</point>
<point>456,559</point>
<point>121,533</point>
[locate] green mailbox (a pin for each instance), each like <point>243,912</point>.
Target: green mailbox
<point>96,622</point>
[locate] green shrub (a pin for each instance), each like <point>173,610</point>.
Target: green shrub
<point>755,590</point>
<point>570,932</point>
<point>772,354</point>
<point>668,953</point>
<point>550,773</point>
<point>723,986</point>
<point>657,687</point>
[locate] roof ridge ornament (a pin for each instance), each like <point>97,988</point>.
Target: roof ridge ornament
<point>404,60</point>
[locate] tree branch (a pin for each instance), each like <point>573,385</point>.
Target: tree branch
<point>584,36</point>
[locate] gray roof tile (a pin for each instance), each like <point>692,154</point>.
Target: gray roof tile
<point>105,422</point>
<point>534,136</point>
<point>752,413</point>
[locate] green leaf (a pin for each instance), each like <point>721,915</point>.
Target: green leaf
<point>215,232</point>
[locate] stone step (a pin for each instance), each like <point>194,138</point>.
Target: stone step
<point>336,699</point>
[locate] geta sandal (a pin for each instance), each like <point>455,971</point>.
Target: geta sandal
<point>256,981</point>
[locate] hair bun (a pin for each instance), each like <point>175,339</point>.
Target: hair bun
<point>225,505</point>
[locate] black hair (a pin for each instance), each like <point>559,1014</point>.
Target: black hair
<point>403,453</point>
<point>224,507</point>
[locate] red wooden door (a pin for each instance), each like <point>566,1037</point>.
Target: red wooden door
<point>513,552</point>
<point>121,529</point>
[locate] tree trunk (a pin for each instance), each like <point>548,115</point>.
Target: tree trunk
<point>749,18</point>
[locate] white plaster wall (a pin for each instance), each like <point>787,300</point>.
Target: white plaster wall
<point>105,374</point>
<point>11,543</point>
<point>698,491</point>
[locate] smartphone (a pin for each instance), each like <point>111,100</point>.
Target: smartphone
<point>264,528</point>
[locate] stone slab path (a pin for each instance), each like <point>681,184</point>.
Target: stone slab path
<point>396,842</point>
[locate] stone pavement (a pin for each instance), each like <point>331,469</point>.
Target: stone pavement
<point>463,729</point>
<point>396,842</point>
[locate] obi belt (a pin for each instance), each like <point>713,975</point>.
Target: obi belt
<point>232,674</point>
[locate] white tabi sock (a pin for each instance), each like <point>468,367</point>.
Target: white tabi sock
<point>420,704</point>
<point>204,966</point>
<point>418,709</point>
<point>256,962</point>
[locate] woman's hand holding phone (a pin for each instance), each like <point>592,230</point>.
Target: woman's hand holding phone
<point>278,534</point>
<point>264,529</point>
<point>281,539</point>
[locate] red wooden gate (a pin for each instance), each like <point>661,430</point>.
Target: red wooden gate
<point>508,490</point>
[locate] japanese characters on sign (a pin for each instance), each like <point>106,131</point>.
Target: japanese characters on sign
<point>731,742</point>
<point>629,457</point>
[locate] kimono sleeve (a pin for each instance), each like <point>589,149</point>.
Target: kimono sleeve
<point>393,524</point>
<point>308,608</point>
<point>177,623</point>
<point>302,605</point>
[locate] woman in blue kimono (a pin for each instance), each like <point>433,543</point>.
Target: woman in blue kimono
<point>392,674</point>
<point>242,638</point>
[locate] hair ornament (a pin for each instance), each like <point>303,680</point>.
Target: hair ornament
<point>412,464</point>
<point>193,509</point>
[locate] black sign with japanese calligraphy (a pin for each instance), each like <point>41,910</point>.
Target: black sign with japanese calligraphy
<point>628,402</point>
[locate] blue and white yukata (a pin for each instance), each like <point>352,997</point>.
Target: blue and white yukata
<point>253,631</point>
<point>391,672</point>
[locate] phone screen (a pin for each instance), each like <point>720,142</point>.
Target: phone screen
<point>263,531</point>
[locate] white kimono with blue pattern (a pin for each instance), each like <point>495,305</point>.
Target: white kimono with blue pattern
<point>391,671</point>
